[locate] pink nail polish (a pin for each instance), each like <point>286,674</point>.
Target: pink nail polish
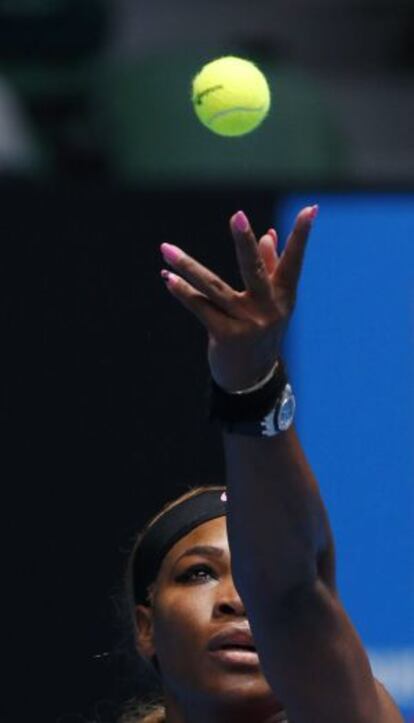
<point>241,222</point>
<point>314,212</point>
<point>169,278</point>
<point>171,253</point>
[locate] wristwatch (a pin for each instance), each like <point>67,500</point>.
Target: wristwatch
<point>264,410</point>
<point>279,419</point>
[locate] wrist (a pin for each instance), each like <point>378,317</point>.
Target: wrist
<point>243,370</point>
<point>263,410</point>
<point>261,382</point>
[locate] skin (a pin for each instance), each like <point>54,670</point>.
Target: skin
<point>281,544</point>
<point>193,599</point>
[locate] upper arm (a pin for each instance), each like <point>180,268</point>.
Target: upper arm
<point>315,661</point>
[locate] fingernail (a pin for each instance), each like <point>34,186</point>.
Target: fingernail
<point>168,277</point>
<point>241,222</point>
<point>313,213</point>
<point>271,232</point>
<point>171,253</point>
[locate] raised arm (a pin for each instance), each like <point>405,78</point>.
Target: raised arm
<point>280,540</point>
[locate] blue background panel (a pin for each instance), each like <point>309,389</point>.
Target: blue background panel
<point>350,354</point>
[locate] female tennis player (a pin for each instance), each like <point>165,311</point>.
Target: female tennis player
<point>233,589</point>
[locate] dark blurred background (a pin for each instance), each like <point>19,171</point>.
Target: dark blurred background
<point>104,377</point>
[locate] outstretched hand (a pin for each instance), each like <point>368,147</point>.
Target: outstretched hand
<point>244,327</point>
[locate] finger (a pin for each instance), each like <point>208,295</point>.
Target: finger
<point>201,278</point>
<point>290,264</point>
<point>267,251</point>
<point>272,232</point>
<point>251,264</point>
<point>193,300</point>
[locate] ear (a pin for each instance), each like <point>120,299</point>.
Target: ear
<point>145,631</point>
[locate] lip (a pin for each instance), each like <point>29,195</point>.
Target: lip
<point>234,657</point>
<point>234,646</point>
<point>237,636</point>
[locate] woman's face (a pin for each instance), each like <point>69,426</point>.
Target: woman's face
<point>197,626</point>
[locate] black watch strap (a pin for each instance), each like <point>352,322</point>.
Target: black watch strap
<point>256,413</point>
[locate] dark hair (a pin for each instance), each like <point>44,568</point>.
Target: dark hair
<point>136,712</point>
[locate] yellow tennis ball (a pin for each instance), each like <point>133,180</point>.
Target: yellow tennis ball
<point>231,96</point>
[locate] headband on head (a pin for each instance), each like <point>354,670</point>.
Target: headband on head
<point>174,524</point>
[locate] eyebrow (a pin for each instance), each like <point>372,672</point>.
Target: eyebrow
<point>204,550</point>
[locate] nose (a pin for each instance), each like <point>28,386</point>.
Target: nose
<point>228,602</point>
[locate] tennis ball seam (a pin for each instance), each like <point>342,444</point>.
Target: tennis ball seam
<point>236,109</point>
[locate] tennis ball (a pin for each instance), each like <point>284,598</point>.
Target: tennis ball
<point>231,96</point>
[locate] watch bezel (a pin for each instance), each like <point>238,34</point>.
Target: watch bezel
<point>288,399</point>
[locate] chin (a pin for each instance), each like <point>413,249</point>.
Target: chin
<point>241,688</point>
<point>251,697</point>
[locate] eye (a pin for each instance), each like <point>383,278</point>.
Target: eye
<point>197,573</point>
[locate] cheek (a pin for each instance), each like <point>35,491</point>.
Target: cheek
<point>181,630</point>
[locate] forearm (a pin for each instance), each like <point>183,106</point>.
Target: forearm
<point>278,526</point>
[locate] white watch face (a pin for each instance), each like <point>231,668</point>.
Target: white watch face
<point>286,410</point>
